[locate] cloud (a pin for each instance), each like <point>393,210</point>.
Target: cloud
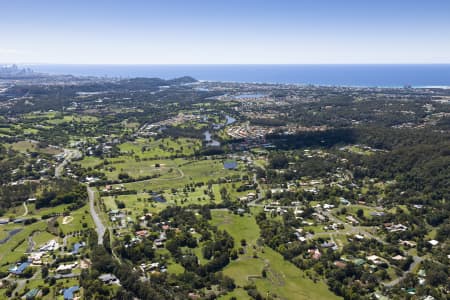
<point>11,51</point>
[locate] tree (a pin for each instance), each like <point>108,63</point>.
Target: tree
<point>27,273</point>
<point>107,241</point>
<point>45,291</point>
<point>278,161</point>
<point>360,213</point>
<point>234,254</point>
<point>44,271</point>
<point>437,277</point>
<point>123,176</point>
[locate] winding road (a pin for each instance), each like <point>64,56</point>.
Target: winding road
<point>416,260</point>
<point>361,230</point>
<point>26,209</point>
<point>21,282</point>
<point>99,227</point>
<point>70,154</point>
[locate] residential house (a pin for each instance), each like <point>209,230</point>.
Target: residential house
<point>64,269</point>
<point>352,220</point>
<point>315,254</point>
<point>109,279</point>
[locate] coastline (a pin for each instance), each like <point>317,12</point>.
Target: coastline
<point>352,76</point>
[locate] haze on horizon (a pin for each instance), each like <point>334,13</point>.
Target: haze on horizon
<point>225,32</point>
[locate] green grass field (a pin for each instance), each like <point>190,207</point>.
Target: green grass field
<point>24,146</point>
<point>30,131</point>
<point>27,146</point>
<point>359,150</point>
<point>46,115</point>
<point>134,204</point>
<point>89,161</point>
<point>138,169</point>
<point>238,293</point>
<point>42,237</point>
<point>172,266</point>
<point>201,196</point>
<point>162,148</point>
<point>6,130</point>
<point>80,216</point>
<point>189,172</point>
<point>33,212</point>
<point>283,281</point>
<point>11,251</point>
<point>352,209</point>
<point>72,118</point>
<point>183,172</point>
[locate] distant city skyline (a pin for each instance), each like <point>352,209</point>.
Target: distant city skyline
<point>225,32</point>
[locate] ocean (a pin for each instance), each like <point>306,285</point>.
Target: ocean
<point>437,75</point>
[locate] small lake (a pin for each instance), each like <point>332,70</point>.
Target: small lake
<point>209,141</point>
<point>158,198</point>
<point>10,235</point>
<point>230,120</point>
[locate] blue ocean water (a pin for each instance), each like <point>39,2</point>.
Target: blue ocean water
<point>339,75</point>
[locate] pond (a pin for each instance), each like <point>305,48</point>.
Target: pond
<point>209,141</point>
<point>10,235</point>
<point>230,120</point>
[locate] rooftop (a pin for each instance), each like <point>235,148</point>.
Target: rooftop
<point>19,269</point>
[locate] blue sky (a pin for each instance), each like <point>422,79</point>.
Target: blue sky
<point>224,31</point>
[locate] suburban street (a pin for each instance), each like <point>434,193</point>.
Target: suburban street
<point>413,265</point>
<point>69,154</point>
<point>99,227</point>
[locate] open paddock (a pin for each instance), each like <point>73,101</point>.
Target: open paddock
<point>284,280</point>
<point>160,148</point>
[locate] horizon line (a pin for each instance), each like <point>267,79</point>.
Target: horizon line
<point>222,64</point>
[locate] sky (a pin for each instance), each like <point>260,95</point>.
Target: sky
<point>225,31</point>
